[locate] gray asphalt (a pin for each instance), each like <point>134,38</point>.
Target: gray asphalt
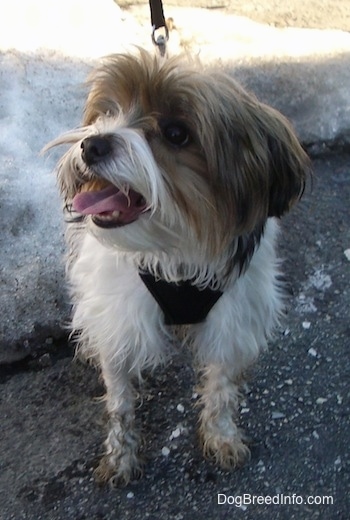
<point>296,409</point>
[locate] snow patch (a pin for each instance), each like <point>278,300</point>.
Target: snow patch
<point>305,304</point>
<point>320,280</point>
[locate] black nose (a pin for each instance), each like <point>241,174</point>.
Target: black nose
<point>94,149</point>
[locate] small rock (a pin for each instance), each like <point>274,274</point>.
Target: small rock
<point>337,461</point>
<point>277,415</point>
<point>165,451</point>
<point>45,360</point>
<point>175,434</point>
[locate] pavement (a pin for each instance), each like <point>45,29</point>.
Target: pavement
<point>297,402</point>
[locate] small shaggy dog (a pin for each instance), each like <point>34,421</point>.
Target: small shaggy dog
<point>178,177</point>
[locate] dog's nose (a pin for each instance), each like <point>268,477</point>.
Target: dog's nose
<point>94,149</point>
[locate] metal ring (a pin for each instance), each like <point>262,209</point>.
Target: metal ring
<point>162,39</point>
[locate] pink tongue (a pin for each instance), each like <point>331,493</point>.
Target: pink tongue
<point>106,200</point>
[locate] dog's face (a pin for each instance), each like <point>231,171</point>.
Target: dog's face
<point>173,156</point>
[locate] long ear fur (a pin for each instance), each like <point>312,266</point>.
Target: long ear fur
<point>289,165</point>
<point>257,156</point>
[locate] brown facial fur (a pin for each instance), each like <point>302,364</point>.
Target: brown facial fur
<point>246,152</point>
<point>242,164</point>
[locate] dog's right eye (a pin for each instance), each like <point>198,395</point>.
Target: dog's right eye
<point>177,134</point>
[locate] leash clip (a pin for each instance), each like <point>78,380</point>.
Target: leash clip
<point>161,40</point>
<point>158,22</point>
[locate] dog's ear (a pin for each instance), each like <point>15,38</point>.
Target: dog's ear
<point>288,164</point>
<point>262,166</point>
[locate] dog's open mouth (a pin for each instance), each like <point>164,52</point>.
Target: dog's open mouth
<point>109,206</point>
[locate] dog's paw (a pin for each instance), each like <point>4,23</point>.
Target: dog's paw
<point>118,471</point>
<point>226,452</point>
<point>122,462</point>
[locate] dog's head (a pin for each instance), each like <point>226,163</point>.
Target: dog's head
<point>171,155</point>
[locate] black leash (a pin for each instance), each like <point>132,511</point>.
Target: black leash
<point>158,22</point>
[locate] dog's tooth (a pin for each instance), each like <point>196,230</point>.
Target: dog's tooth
<point>109,216</point>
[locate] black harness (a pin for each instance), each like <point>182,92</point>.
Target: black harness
<point>182,303</point>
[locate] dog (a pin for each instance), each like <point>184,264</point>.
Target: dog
<point>175,184</point>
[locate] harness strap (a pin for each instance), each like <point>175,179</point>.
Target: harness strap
<point>182,303</point>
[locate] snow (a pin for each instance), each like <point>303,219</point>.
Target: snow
<point>80,28</point>
<point>31,246</point>
<point>47,48</point>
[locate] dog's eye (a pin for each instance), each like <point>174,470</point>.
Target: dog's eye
<point>177,134</point>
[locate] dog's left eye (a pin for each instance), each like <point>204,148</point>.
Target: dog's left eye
<point>177,134</point>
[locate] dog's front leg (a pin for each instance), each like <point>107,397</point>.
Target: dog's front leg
<point>220,437</point>
<point>121,462</point>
